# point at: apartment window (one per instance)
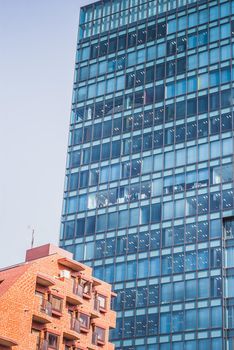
(86, 287)
(229, 228)
(100, 333)
(102, 301)
(56, 303)
(53, 341)
(37, 293)
(84, 321)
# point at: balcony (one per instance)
(44, 280)
(71, 331)
(42, 311)
(42, 344)
(75, 325)
(71, 264)
(95, 311)
(46, 307)
(7, 343)
(102, 303)
(96, 305)
(98, 337)
(95, 338)
(78, 290)
(76, 296)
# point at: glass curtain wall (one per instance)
(148, 198)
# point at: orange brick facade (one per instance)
(52, 302)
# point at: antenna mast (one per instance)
(32, 241)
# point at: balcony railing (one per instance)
(95, 338)
(78, 290)
(46, 307)
(75, 325)
(96, 305)
(42, 344)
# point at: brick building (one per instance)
(52, 302)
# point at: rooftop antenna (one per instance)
(32, 241)
(32, 237)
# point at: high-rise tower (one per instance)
(148, 200)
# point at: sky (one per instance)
(37, 54)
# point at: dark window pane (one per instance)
(159, 93)
(151, 33)
(181, 44)
(149, 98)
(149, 74)
(112, 45)
(158, 115)
(97, 131)
(171, 68)
(132, 39)
(192, 107)
(180, 110)
(122, 42)
(171, 47)
(214, 101)
(181, 65)
(202, 104)
(160, 71)
(80, 224)
(141, 36)
(226, 98)
(226, 122)
(69, 229)
(161, 30)
(170, 112)
(103, 48)
(202, 128)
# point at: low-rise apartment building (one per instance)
(51, 302)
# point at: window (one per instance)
(87, 287)
(192, 19)
(165, 322)
(56, 303)
(177, 321)
(102, 301)
(229, 228)
(68, 229)
(143, 269)
(53, 341)
(203, 288)
(84, 320)
(166, 292)
(190, 319)
(80, 227)
(190, 289)
(171, 26)
(98, 335)
(178, 291)
(203, 318)
(74, 159)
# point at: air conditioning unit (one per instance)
(65, 274)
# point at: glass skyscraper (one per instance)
(148, 199)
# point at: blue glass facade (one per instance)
(148, 199)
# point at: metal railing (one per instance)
(78, 290)
(42, 344)
(75, 325)
(95, 338)
(96, 304)
(46, 307)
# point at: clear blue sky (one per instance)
(37, 50)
